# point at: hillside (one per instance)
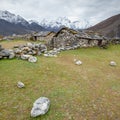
(109, 27)
(7, 28)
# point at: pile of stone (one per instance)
(6, 53)
(27, 52)
(30, 49)
(52, 53)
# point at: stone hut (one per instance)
(71, 38)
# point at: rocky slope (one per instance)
(109, 27)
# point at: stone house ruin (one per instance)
(71, 38)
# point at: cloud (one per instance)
(93, 10)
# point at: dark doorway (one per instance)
(35, 38)
(99, 42)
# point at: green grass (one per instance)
(87, 92)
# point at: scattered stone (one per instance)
(20, 84)
(40, 107)
(112, 63)
(32, 59)
(52, 53)
(78, 62)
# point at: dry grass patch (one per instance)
(8, 44)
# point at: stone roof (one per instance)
(79, 34)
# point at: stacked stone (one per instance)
(27, 52)
(29, 49)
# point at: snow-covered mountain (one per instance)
(15, 24)
(64, 21)
(33, 21)
(12, 18)
(45, 23)
(20, 24)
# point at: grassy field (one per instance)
(87, 92)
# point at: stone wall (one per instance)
(71, 38)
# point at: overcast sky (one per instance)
(91, 10)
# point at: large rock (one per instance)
(40, 107)
(5, 53)
(12, 54)
(32, 59)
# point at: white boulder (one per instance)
(32, 59)
(20, 84)
(113, 63)
(40, 106)
(78, 62)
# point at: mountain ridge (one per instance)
(110, 27)
(64, 21)
(15, 24)
(55, 24)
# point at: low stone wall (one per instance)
(30, 49)
(115, 41)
